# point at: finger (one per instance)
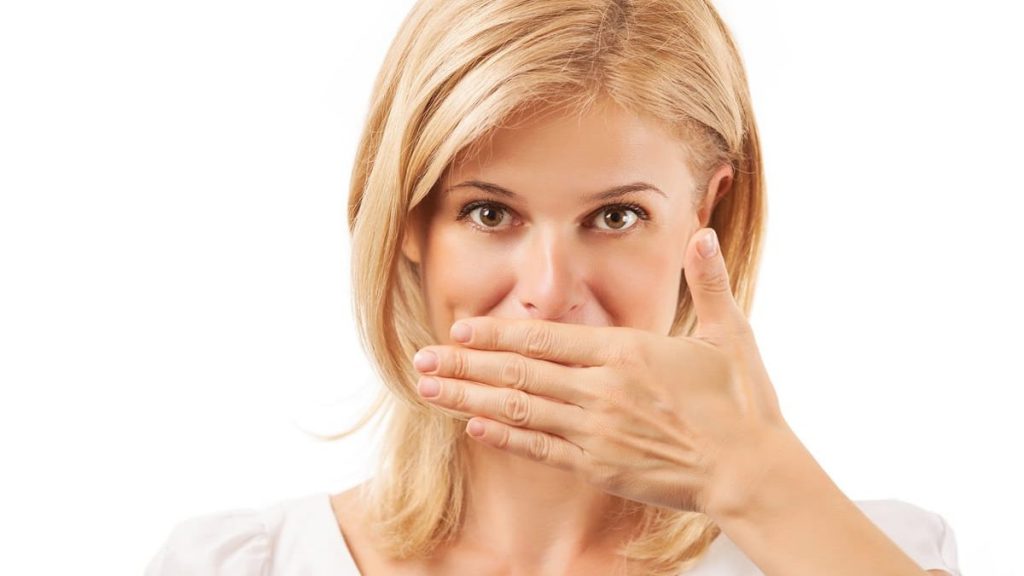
(530, 444)
(507, 370)
(570, 344)
(718, 314)
(513, 407)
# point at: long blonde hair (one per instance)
(456, 70)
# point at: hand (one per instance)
(669, 421)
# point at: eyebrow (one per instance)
(614, 192)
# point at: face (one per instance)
(576, 219)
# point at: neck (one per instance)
(536, 518)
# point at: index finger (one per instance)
(570, 344)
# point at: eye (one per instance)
(485, 215)
(618, 217)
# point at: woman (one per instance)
(557, 210)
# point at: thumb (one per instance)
(718, 314)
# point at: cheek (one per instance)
(640, 289)
(462, 275)
(638, 282)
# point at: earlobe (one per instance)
(718, 186)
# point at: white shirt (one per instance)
(300, 537)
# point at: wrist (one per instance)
(762, 477)
(787, 515)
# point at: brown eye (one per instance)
(486, 215)
(617, 218)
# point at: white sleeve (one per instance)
(924, 535)
(228, 543)
(947, 550)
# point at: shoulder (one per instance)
(225, 543)
(288, 536)
(923, 534)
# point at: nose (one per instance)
(549, 280)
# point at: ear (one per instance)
(718, 186)
(411, 247)
(411, 243)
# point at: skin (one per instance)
(570, 302)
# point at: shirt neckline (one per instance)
(341, 552)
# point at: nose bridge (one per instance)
(548, 273)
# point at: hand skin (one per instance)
(686, 423)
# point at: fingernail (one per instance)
(461, 332)
(475, 428)
(425, 361)
(708, 245)
(429, 387)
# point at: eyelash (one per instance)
(641, 214)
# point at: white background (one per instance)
(174, 259)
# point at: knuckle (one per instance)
(515, 406)
(459, 365)
(537, 341)
(489, 337)
(460, 398)
(539, 446)
(506, 438)
(715, 281)
(513, 373)
(627, 350)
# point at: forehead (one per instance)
(604, 146)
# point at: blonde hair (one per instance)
(455, 72)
